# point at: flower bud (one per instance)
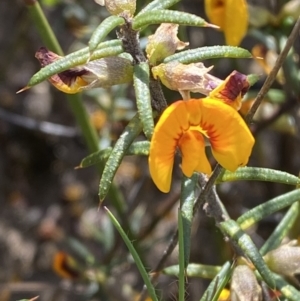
(116, 7)
(244, 285)
(186, 78)
(284, 260)
(103, 73)
(163, 43)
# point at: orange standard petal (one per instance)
(231, 16)
(182, 125)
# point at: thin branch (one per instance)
(272, 76)
(131, 45)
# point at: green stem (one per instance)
(43, 27)
(75, 101)
(181, 276)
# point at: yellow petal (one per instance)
(163, 145)
(66, 84)
(192, 147)
(215, 11)
(230, 137)
(236, 21)
(231, 16)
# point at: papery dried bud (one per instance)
(232, 89)
(116, 7)
(284, 260)
(163, 43)
(244, 285)
(186, 78)
(102, 73)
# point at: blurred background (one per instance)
(54, 240)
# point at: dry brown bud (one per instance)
(244, 285)
(186, 78)
(284, 260)
(163, 43)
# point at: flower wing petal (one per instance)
(164, 142)
(230, 137)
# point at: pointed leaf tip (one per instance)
(212, 26)
(23, 89)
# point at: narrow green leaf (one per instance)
(131, 131)
(167, 16)
(243, 240)
(259, 174)
(106, 26)
(74, 59)
(95, 158)
(181, 258)
(288, 291)
(194, 270)
(210, 52)
(187, 199)
(219, 282)
(134, 254)
(140, 148)
(157, 5)
(281, 230)
(259, 212)
(141, 79)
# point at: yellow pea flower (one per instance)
(183, 125)
(231, 16)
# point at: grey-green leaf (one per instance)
(158, 4)
(137, 148)
(243, 241)
(194, 270)
(209, 52)
(143, 98)
(106, 26)
(286, 289)
(167, 16)
(259, 174)
(215, 287)
(259, 212)
(282, 229)
(187, 199)
(131, 131)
